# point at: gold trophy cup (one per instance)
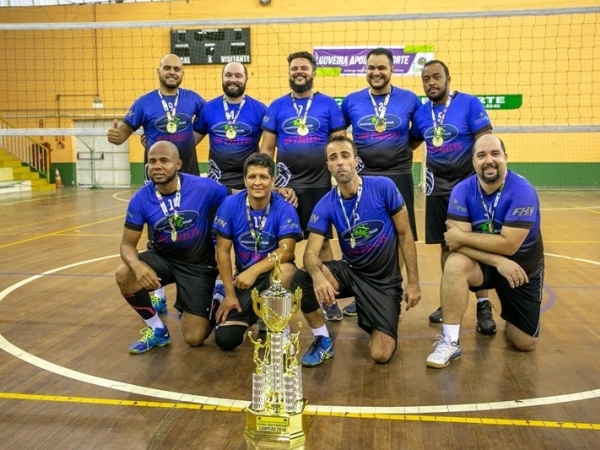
(275, 415)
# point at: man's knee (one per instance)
(229, 337)
(382, 347)
(124, 278)
(521, 340)
(309, 301)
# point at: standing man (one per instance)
(449, 123)
(370, 217)
(299, 125)
(178, 210)
(233, 123)
(496, 243)
(166, 114)
(269, 224)
(381, 116)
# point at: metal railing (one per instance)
(28, 150)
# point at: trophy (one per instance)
(275, 414)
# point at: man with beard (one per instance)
(298, 125)
(371, 220)
(449, 123)
(178, 210)
(381, 116)
(496, 243)
(233, 124)
(166, 114)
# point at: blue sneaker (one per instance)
(159, 304)
(350, 310)
(332, 312)
(320, 350)
(219, 291)
(150, 339)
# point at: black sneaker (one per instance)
(485, 318)
(436, 316)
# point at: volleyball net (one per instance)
(535, 72)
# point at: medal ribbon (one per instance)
(440, 125)
(176, 204)
(380, 115)
(297, 108)
(171, 115)
(231, 122)
(354, 210)
(256, 234)
(490, 210)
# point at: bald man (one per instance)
(493, 233)
(178, 210)
(165, 114)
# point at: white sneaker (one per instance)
(445, 352)
(287, 341)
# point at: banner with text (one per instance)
(350, 61)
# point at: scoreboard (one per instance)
(211, 46)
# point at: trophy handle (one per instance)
(256, 302)
(296, 297)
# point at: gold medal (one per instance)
(491, 227)
(302, 130)
(437, 141)
(380, 126)
(230, 133)
(173, 235)
(171, 127)
(352, 242)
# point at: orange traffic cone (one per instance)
(58, 180)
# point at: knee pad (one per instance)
(309, 301)
(229, 337)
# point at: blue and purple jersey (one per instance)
(148, 112)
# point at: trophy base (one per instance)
(272, 431)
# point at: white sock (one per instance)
(482, 299)
(160, 292)
(154, 322)
(321, 331)
(451, 331)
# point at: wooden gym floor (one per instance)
(67, 380)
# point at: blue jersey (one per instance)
(148, 112)
(200, 198)
(452, 162)
(301, 159)
(226, 156)
(518, 206)
(375, 253)
(231, 223)
(389, 152)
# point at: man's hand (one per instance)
(453, 236)
(513, 272)
(324, 290)
(114, 136)
(245, 280)
(228, 304)
(412, 295)
(289, 195)
(146, 276)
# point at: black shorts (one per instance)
(436, 211)
(195, 283)
(377, 303)
(244, 296)
(522, 305)
(405, 184)
(307, 199)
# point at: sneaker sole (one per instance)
(436, 365)
(333, 319)
(138, 352)
(350, 314)
(325, 358)
(486, 332)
